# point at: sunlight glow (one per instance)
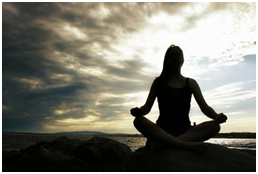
(92, 123)
(78, 120)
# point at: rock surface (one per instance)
(216, 158)
(65, 155)
(106, 155)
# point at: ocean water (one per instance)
(20, 141)
(245, 144)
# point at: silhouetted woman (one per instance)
(174, 92)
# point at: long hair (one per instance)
(167, 69)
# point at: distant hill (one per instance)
(96, 133)
(89, 133)
(236, 135)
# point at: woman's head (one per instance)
(174, 57)
(173, 61)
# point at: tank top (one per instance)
(174, 107)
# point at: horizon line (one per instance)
(99, 132)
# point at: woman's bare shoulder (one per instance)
(192, 80)
(156, 81)
(193, 83)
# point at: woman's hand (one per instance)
(136, 112)
(221, 118)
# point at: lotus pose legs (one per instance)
(158, 135)
(201, 132)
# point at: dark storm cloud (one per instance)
(32, 33)
(129, 69)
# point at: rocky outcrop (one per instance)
(105, 155)
(215, 158)
(63, 155)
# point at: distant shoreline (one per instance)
(236, 135)
(91, 133)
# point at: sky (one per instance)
(83, 66)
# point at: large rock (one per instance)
(66, 155)
(215, 159)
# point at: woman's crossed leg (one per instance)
(189, 140)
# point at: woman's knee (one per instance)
(215, 127)
(137, 123)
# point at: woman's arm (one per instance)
(205, 108)
(146, 108)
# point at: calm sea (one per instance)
(19, 141)
(247, 144)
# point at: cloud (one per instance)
(227, 95)
(196, 12)
(72, 62)
(236, 100)
(54, 64)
